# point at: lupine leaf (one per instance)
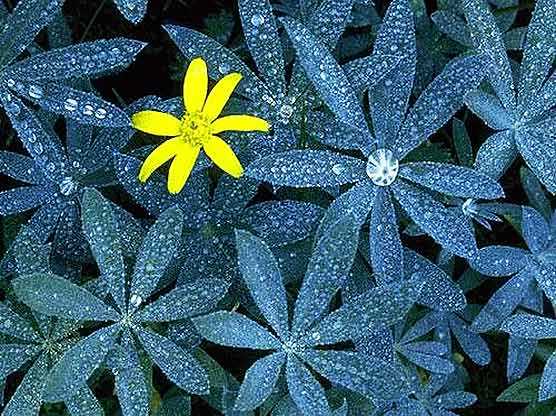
(56, 296)
(282, 222)
(28, 396)
(23, 24)
(103, 234)
(438, 103)
(386, 249)
(439, 291)
(261, 35)
(85, 59)
(235, 330)
(22, 199)
(358, 372)
(496, 154)
(158, 248)
(220, 61)
(78, 363)
(259, 381)
(452, 180)
(14, 356)
(21, 168)
(14, 325)
(83, 403)
(489, 109)
(327, 271)
(305, 390)
(487, 39)
(501, 303)
(186, 300)
(131, 387)
(523, 391)
(261, 274)
(450, 230)
(535, 230)
(537, 54)
(499, 260)
(329, 20)
(388, 99)
(41, 145)
(382, 305)
(133, 10)
(326, 75)
(306, 168)
(178, 364)
(536, 145)
(547, 388)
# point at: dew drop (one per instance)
(70, 104)
(100, 113)
(257, 20)
(224, 68)
(88, 110)
(68, 186)
(36, 92)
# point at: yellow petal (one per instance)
(195, 85)
(181, 167)
(159, 156)
(239, 123)
(157, 123)
(223, 156)
(219, 95)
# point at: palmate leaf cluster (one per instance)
(392, 238)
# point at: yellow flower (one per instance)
(197, 128)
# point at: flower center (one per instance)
(195, 129)
(382, 167)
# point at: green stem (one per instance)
(90, 24)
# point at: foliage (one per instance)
(373, 234)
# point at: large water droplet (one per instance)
(382, 167)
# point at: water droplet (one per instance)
(224, 68)
(285, 112)
(382, 167)
(337, 169)
(135, 300)
(70, 104)
(100, 113)
(68, 186)
(257, 20)
(38, 148)
(36, 92)
(88, 110)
